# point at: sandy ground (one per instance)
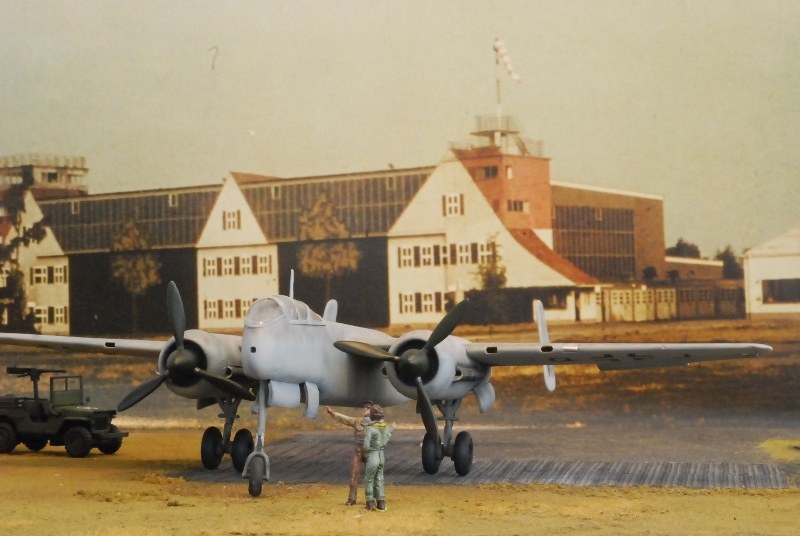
(130, 493)
(135, 492)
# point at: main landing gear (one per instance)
(215, 443)
(435, 449)
(256, 466)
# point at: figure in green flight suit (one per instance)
(376, 436)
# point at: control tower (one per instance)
(50, 176)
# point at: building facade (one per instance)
(772, 275)
(415, 239)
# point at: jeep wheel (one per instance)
(78, 442)
(110, 446)
(35, 444)
(8, 438)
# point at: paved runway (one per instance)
(323, 457)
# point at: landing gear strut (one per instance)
(256, 466)
(434, 450)
(215, 443)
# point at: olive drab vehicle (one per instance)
(63, 419)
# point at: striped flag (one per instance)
(502, 56)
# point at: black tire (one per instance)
(241, 448)
(430, 461)
(256, 479)
(211, 450)
(110, 446)
(462, 453)
(78, 442)
(35, 444)
(8, 438)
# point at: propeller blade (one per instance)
(426, 411)
(141, 392)
(363, 349)
(447, 325)
(224, 384)
(177, 316)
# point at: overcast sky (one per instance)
(696, 101)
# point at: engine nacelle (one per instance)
(452, 373)
(216, 353)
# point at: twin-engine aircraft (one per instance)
(289, 356)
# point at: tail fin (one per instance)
(544, 338)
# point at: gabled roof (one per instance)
(784, 245)
(171, 218)
(367, 203)
(528, 239)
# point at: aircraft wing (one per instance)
(131, 347)
(610, 356)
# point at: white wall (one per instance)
(757, 269)
(235, 264)
(425, 224)
(50, 295)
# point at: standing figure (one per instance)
(376, 437)
(358, 425)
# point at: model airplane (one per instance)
(289, 356)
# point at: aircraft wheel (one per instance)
(430, 461)
(256, 481)
(110, 446)
(8, 438)
(78, 442)
(242, 447)
(35, 444)
(211, 450)
(462, 453)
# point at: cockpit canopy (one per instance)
(268, 310)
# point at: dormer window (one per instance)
(231, 219)
(172, 200)
(453, 204)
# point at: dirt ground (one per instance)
(135, 492)
(130, 493)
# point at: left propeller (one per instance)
(183, 363)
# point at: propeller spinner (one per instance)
(183, 364)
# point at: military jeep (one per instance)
(63, 419)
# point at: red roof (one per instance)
(541, 251)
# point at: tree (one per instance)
(15, 294)
(491, 275)
(133, 266)
(682, 248)
(731, 268)
(327, 256)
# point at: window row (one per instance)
(215, 309)
(443, 255)
(51, 315)
(425, 302)
(46, 275)
(244, 265)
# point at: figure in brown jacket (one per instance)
(357, 459)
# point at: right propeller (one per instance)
(414, 365)
(183, 364)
